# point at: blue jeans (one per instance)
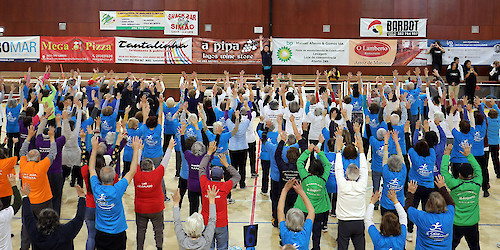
(90, 221)
(222, 236)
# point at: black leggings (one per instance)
(494, 158)
(483, 162)
(267, 75)
(422, 194)
(183, 185)
(194, 201)
(13, 148)
(251, 156)
(239, 162)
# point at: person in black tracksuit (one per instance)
(267, 61)
(437, 55)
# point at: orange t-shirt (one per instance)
(35, 174)
(6, 168)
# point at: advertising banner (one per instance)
(132, 20)
(20, 48)
(369, 27)
(153, 50)
(411, 52)
(183, 23)
(372, 52)
(297, 51)
(479, 52)
(77, 49)
(218, 51)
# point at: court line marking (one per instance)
(252, 211)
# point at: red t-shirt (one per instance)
(89, 198)
(220, 200)
(148, 193)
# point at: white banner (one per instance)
(369, 27)
(153, 50)
(20, 48)
(181, 23)
(479, 52)
(296, 51)
(132, 20)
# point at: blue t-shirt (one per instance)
(459, 140)
(110, 217)
(222, 147)
(169, 125)
(413, 97)
(152, 141)
(401, 139)
(434, 231)
(13, 119)
(381, 242)
(271, 149)
(271, 137)
(331, 183)
(299, 239)
(377, 154)
(493, 131)
(357, 103)
(108, 124)
(128, 151)
(422, 168)
(286, 148)
(393, 181)
(479, 133)
(374, 123)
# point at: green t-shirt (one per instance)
(465, 193)
(314, 186)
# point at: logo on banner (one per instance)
(77, 45)
(284, 54)
(372, 48)
(376, 27)
(107, 19)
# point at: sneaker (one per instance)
(167, 199)
(376, 207)
(486, 193)
(274, 222)
(333, 215)
(265, 194)
(254, 175)
(324, 229)
(409, 236)
(230, 201)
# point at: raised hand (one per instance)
(12, 179)
(137, 143)
(289, 184)
(212, 147)
(440, 181)
(171, 143)
(212, 192)
(375, 197)
(412, 186)
(26, 189)
(467, 148)
(447, 150)
(80, 192)
(393, 196)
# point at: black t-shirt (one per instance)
(437, 55)
(453, 77)
(472, 77)
(266, 58)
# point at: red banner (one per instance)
(77, 49)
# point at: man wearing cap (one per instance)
(217, 176)
(465, 192)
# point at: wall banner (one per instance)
(77, 49)
(218, 51)
(20, 49)
(372, 52)
(296, 51)
(132, 20)
(183, 23)
(153, 50)
(411, 52)
(369, 27)
(479, 52)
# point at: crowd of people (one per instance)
(422, 143)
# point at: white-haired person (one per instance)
(392, 234)
(435, 224)
(194, 234)
(294, 228)
(33, 172)
(394, 173)
(378, 146)
(351, 192)
(149, 200)
(110, 222)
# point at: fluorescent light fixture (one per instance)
(475, 30)
(208, 27)
(2, 29)
(326, 28)
(62, 26)
(258, 30)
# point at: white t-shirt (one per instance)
(6, 216)
(299, 117)
(348, 108)
(317, 123)
(251, 133)
(268, 113)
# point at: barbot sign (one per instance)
(181, 23)
(369, 27)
